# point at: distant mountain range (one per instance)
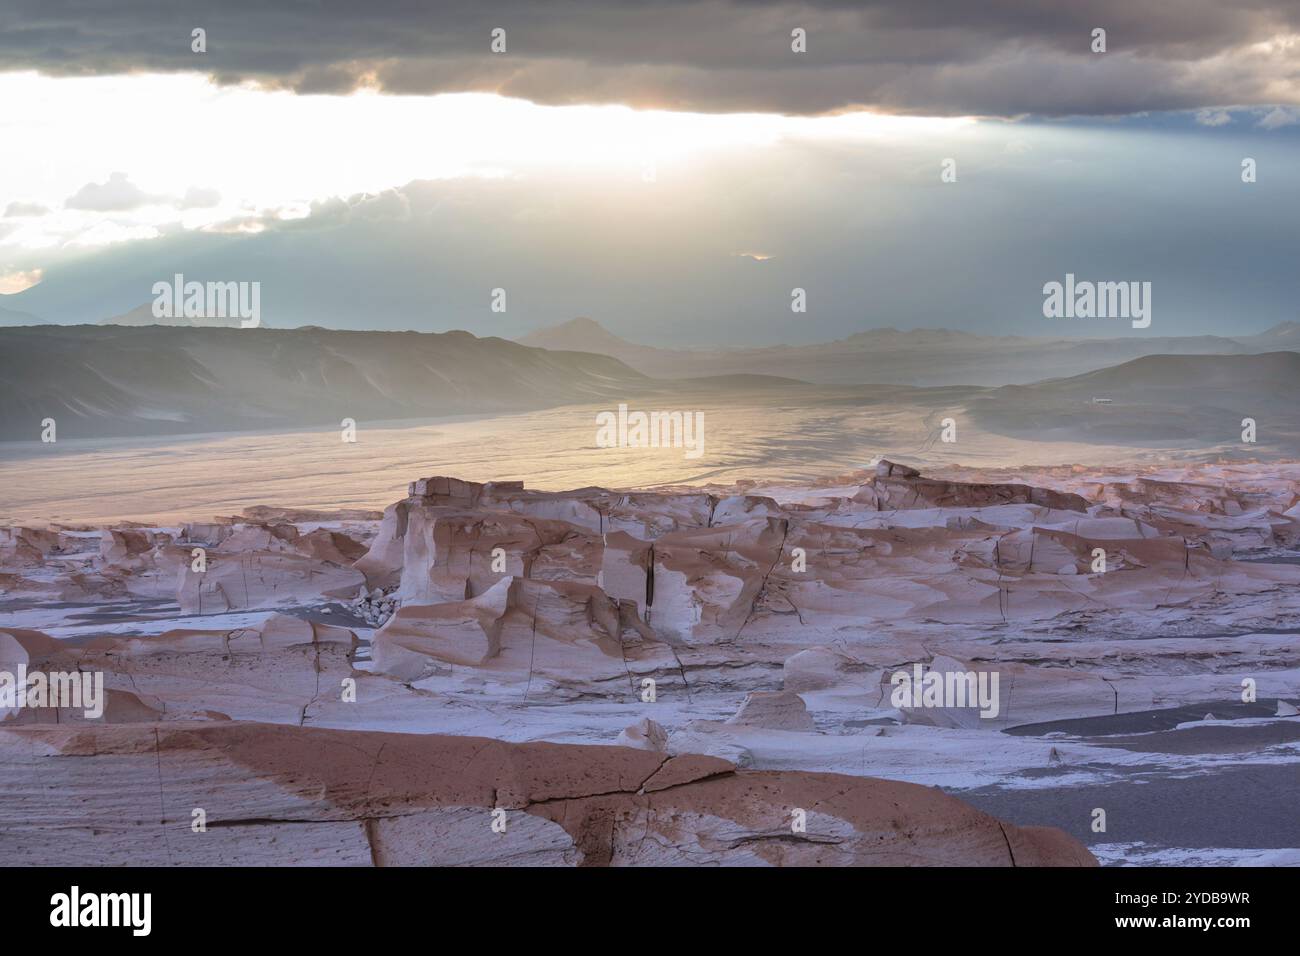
(143, 315)
(924, 357)
(10, 318)
(1156, 399)
(104, 381)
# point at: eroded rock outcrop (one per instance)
(755, 625)
(898, 487)
(264, 566)
(594, 592)
(279, 668)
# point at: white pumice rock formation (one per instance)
(752, 629)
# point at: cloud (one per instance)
(1278, 117)
(944, 57)
(117, 195)
(903, 250)
(17, 210)
(1213, 117)
(197, 197)
(108, 232)
(391, 204)
(19, 281)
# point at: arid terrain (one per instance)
(177, 424)
(732, 433)
(674, 675)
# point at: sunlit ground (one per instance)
(170, 480)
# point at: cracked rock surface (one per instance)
(638, 637)
(284, 795)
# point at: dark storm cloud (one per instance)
(995, 57)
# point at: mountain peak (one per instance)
(1283, 335)
(576, 335)
(1283, 328)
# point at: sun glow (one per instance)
(273, 153)
(19, 281)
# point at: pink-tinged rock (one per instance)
(249, 580)
(898, 487)
(281, 668)
(209, 533)
(1021, 694)
(645, 734)
(888, 469)
(382, 562)
(625, 569)
(773, 710)
(707, 581)
(26, 547)
(297, 795)
(448, 555)
(419, 637)
(126, 546)
(24, 647)
(279, 538)
(118, 707)
(737, 508)
(819, 668)
(447, 490)
(650, 515)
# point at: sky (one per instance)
(672, 170)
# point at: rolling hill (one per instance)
(10, 318)
(107, 381)
(922, 357)
(1157, 399)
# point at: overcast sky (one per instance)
(670, 169)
